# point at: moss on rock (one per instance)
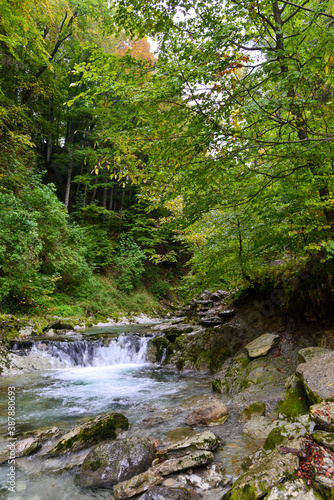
(296, 402)
(96, 429)
(257, 408)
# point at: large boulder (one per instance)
(111, 463)
(262, 345)
(91, 432)
(214, 414)
(317, 377)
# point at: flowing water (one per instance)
(77, 379)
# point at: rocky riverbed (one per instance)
(260, 426)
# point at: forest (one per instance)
(129, 176)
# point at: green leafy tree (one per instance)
(235, 118)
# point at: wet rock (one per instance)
(262, 345)
(160, 416)
(96, 429)
(180, 434)
(58, 325)
(323, 415)
(259, 480)
(24, 447)
(325, 439)
(254, 409)
(155, 474)
(20, 364)
(214, 414)
(199, 401)
(43, 434)
(111, 463)
(194, 459)
(317, 377)
(309, 353)
(258, 428)
(211, 478)
(292, 489)
(166, 493)
(201, 441)
(137, 484)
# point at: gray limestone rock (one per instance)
(262, 345)
(258, 428)
(24, 447)
(317, 377)
(160, 416)
(166, 493)
(91, 432)
(214, 414)
(201, 441)
(259, 479)
(309, 353)
(324, 439)
(155, 474)
(137, 484)
(292, 489)
(254, 409)
(211, 478)
(111, 463)
(323, 415)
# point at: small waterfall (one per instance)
(126, 349)
(163, 357)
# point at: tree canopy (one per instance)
(232, 126)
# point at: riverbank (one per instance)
(261, 395)
(246, 377)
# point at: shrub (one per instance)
(129, 262)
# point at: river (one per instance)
(103, 370)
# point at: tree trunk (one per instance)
(69, 179)
(105, 193)
(111, 198)
(50, 138)
(94, 192)
(122, 200)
